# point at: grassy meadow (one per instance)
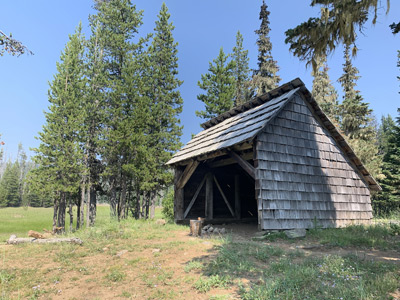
(19, 220)
(137, 259)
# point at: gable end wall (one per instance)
(302, 175)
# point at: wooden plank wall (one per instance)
(302, 175)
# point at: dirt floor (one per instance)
(152, 267)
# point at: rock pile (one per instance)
(209, 229)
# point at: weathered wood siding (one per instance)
(303, 176)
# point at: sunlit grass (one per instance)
(20, 220)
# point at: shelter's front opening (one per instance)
(229, 189)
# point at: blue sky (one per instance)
(201, 28)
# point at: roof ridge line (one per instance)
(256, 101)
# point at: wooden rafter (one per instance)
(187, 173)
(244, 164)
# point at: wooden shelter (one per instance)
(277, 159)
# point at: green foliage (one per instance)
(241, 71)
(339, 23)
(388, 200)
(115, 274)
(9, 186)
(219, 86)
(11, 45)
(168, 205)
(323, 91)
(59, 156)
(395, 27)
(356, 120)
(373, 236)
(163, 128)
(265, 77)
(203, 285)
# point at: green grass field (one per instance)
(20, 220)
(163, 262)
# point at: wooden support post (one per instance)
(224, 197)
(244, 164)
(194, 197)
(178, 197)
(209, 197)
(238, 208)
(189, 170)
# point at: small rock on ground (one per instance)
(295, 233)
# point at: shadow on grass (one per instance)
(261, 271)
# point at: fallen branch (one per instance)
(14, 240)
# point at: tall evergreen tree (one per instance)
(118, 21)
(355, 115)
(339, 23)
(323, 91)
(59, 156)
(219, 86)
(356, 119)
(388, 200)
(241, 71)
(9, 186)
(265, 78)
(163, 130)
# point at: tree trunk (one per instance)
(78, 214)
(71, 215)
(88, 205)
(61, 214)
(82, 206)
(122, 208)
(153, 196)
(55, 212)
(137, 209)
(145, 205)
(93, 206)
(113, 199)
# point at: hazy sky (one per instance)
(201, 28)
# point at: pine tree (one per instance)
(219, 86)
(349, 78)
(241, 71)
(163, 130)
(265, 77)
(356, 119)
(59, 156)
(118, 21)
(388, 200)
(339, 23)
(323, 91)
(355, 115)
(9, 186)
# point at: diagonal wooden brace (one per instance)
(244, 164)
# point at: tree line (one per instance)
(15, 189)
(113, 120)
(114, 104)
(230, 82)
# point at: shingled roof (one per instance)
(242, 124)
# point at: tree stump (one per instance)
(195, 227)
